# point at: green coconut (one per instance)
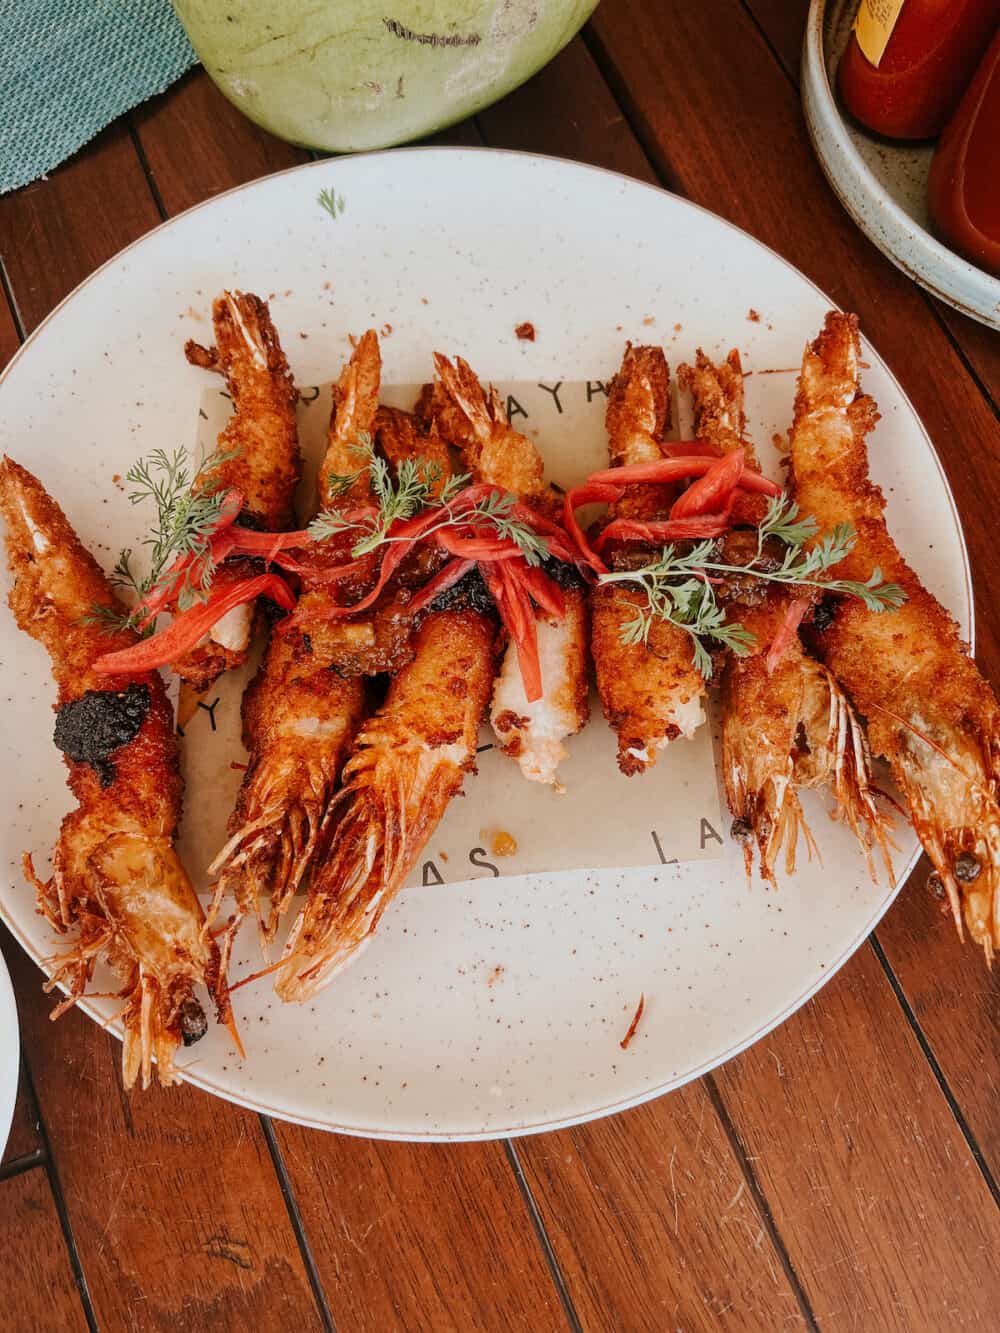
(347, 75)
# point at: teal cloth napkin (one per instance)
(70, 67)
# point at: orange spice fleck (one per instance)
(526, 331)
(634, 1024)
(504, 844)
(753, 316)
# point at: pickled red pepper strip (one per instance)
(185, 630)
(714, 491)
(787, 631)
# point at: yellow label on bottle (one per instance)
(874, 24)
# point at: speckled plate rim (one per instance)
(901, 239)
(718, 1057)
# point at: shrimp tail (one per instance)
(278, 833)
(808, 737)
(387, 816)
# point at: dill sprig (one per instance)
(418, 486)
(678, 589)
(332, 202)
(187, 506)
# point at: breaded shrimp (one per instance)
(651, 691)
(301, 712)
(787, 725)
(116, 877)
(261, 454)
(409, 761)
(928, 709)
(531, 732)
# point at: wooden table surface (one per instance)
(841, 1174)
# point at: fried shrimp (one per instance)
(784, 729)
(301, 712)
(260, 454)
(116, 877)
(409, 760)
(786, 723)
(651, 691)
(928, 709)
(531, 732)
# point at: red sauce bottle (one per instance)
(903, 79)
(964, 183)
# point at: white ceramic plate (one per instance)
(10, 1050)
(453, 249)
(883, 185)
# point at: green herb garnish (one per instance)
(414, 490)
(187, 514)
(678, 589)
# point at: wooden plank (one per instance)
(37, 1289)
(9, 340)
(172, 1197)
(706, 142)
(24, 1139)
(887, 1219)
(197, 144)
(783, 25)
(54, 233)
(654, 1225)
(567, 111)
(419, 1235)
(958, 1013)
(980, 345)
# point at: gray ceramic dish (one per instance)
(883, 185)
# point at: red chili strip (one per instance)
(787, 631)
(390, 563)
(591, 492)
(525, 635)
(221, 545)
(663, 470)
(545, 592)
(442, 580)
(676, 469)
(477, 547)
(697, 527)
(712, 492)
(185, 630)
(692, 449)
(249, 542)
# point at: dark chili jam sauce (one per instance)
(90, 729)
